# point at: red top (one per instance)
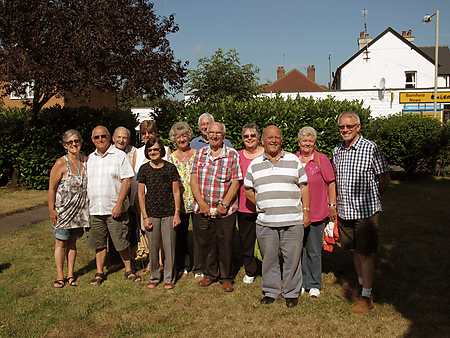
(320, 173)
(244, 204)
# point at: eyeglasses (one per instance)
(96, 137)
(73, 142)
(347, 126)
(215, 133)
(151, 150)
(249, 136)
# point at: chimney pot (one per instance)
(280, 72)
(311, 73)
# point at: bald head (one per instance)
(121, 138)
(272, 140)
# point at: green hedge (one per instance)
(31, 150)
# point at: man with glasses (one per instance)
(362, 173)
(109, 172)
(215, 181)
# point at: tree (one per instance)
(223, 75)
(75, 46)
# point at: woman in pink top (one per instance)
(247, 212)
(322, 194)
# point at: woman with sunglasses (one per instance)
(247, 212)
(160, 203)
(68, 205)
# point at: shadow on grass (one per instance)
(4, 266)
(413, 262)
(86, 269)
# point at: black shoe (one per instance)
(291, 302)
(267, 300)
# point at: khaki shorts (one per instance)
(117, 228)
(360, 235)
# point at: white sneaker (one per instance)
(315, 293)
(248, 279)
(302, 291)
(198, 276)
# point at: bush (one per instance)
(289, 115)
(32, 149)
(410, 141)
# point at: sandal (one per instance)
(98, 279)
(152, 285)
(59, 283)
(130, 275)
(72, 281)
(169, 286)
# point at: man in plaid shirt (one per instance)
(215, 182)
(361, 174)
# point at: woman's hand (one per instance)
(53, 216)
(147, 224)
(333, 213)
(176, 220)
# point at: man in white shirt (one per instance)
(109, 174)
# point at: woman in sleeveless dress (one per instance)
(68, 205)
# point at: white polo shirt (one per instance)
(105, 172)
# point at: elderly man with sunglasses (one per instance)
(109, 174)
(361, 174)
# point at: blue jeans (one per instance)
(312, 255)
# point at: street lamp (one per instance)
(427, 18)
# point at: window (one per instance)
(410, 78)
(28, 93)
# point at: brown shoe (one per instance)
(363, 305)
(349, 292)
(205, 281)
(169, 286)
(227, 286)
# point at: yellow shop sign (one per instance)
(424, 97)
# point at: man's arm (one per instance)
(123, 192)
(204, 207)
(250, 194)
(384, 180)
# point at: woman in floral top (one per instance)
(180, 134)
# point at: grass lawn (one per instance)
(17, 199)
(412, 297)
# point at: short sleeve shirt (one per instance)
(277, 188)
(159, 199)
(105, 173)
(357, 170)
(215, 175)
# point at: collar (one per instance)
(355, 144)
(202, 140)
(111, 150)
(222, 153)
(280, 156)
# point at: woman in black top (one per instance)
(159, 200)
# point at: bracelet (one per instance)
(144, 217)
(306, 209)
(332, 205)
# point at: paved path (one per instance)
(18, 220)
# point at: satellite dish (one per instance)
(382, 88)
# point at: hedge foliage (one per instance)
(411, 141)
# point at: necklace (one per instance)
(77, 164)
(183, 156)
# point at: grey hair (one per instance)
(307, 131)
(205, 116)
(349, 114)
(121, 128)
(221, 125)
(251, 125)
(68, 133)
(104, 128)
(180, 128)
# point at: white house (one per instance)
(391, 61)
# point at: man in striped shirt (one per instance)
(276, 183)
(361, 174)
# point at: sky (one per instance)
(292, 33)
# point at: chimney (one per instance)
(408, 35)
(280, 72)
(311, 73)
(363, 40)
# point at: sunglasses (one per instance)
(151, 150)
(73, 142)
(96, 137)
(347, 126)
(249, 136)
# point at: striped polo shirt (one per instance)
(277, 187)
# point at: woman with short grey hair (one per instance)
(322, 195)
(68, 205)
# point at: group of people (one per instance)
(279, 199)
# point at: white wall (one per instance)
(389, 58)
